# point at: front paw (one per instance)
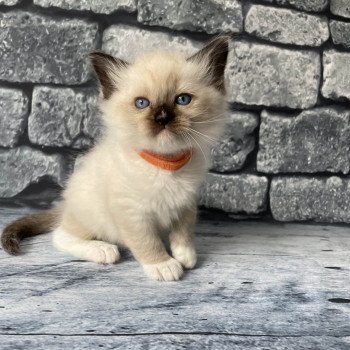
(186, 255)
(169, 270)
(101, 252)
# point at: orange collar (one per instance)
(169, 162)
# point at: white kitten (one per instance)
(162, 114)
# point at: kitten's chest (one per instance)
(167, 195)
(158, 193)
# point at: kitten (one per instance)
(161, 115)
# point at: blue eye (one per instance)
(141, 102)
(183, 99)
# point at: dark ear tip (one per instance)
(222, 40)
(100, 58)
(95, 55)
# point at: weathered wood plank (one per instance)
(171, 342)
(253, 278)
(286, 297)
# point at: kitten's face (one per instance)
(165, 102)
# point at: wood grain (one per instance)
(257, 285)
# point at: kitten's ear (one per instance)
(215, 55)
(107, 68)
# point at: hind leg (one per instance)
(80, 244)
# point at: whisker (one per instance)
(209, 121)
(205, 158)
(209, 142)
(186, 139)
(188, 142)
(201, 115)
(206, 136)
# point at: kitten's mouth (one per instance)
(165, 132)
(166, 135)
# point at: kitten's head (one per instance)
(164, 101)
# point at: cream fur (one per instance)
(117, 197)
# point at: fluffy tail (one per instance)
(32, 225)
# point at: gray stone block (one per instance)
(212, 16)
(10, 2)
(336, 75)
(315, 140)
(13, 115)
(286, 26)
(97, 6)
(35, 48)
(340, 8)
(63, 117)
(91, 127)
(307, 5)
(303, 198)
(340, 33)
(128, 42)
(235, 193)
(22, 166)
(236, 143)
(270, 76)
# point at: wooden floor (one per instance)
(257, 286)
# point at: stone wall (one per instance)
(285, 152)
